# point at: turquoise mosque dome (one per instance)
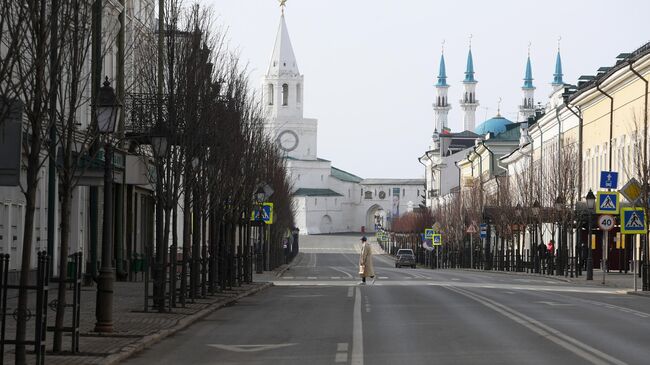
(494, 125)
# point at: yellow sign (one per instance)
(632, 190)
(265, 214)
(593, 241)
(437, 239)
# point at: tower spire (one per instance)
(469, 71)
(557, 76)
(527, 107)
(469, 103)
(442, 72)
(283, 60)
(441, 106)
(528, 77)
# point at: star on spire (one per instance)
(283, 4)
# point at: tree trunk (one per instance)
(30, 196)
(63, 264)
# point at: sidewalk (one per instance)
(134, 330)
(613, 279)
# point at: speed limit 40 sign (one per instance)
(606, 222)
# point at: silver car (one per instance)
(405, 257)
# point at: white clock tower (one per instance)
(283, 87)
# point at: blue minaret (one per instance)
(441, 106)
(527, 107)
(469, 72)
(442, 72)
(557, 76)
(469, 103)
(528, 78)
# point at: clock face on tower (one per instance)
(288, 140)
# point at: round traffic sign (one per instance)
(606, 222)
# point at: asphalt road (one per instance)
(318, 314)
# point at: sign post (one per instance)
(471, 230)
(437, 242)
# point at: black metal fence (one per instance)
(40, 309)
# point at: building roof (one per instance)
(393, 182)
(345, 176)
(442, 73)
(587, 82)
(283, 60)
(494, 125)
(315, 192)
(298, 159)
(511, 133)
(463, 134)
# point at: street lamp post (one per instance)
(518, 213)
(591, 202)
(260, 197)
(108, 109)
(536, 253)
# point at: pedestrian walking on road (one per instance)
(366, 269)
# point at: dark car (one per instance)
(405, 257)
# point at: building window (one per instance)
(285, 95)
(315, 201)
(321, 178)
(269, 93)
(367, 195)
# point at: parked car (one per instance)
(405, 257)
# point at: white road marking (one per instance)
(382, 277)
(350, 292)
(357, 331)
(342, 271)
(455, 279)
(335, 277)
(287, 277)
(555, 304)
(341, 357)
(342, 346)
(581, 349)
(312, 278)
(250, 348)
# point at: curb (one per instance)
(150, 340)
(512, 273)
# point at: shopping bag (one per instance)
(362, 269)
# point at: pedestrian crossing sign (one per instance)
(633, 221)
(428, 233)
(608, 202)
(437, 239)
(263, 215)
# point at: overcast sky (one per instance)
(370, 65)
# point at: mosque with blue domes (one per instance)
(497, 134)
